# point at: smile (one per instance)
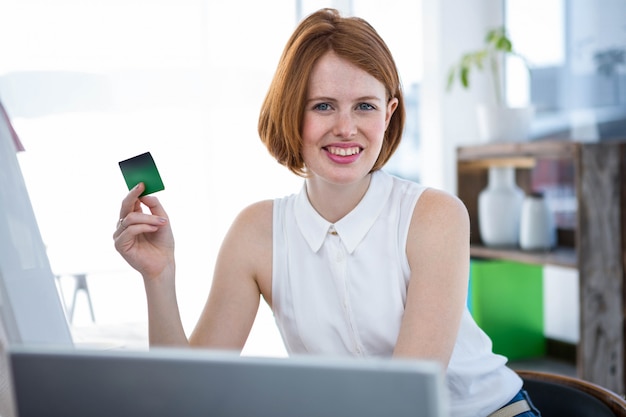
(343, 151)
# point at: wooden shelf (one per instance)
(478, 164)
(560, 256)
(593, 240)
(535, 149)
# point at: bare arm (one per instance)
(242, 275)
(438, 254)
(146, 242)
(242, 269)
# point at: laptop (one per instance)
(191, 382)
(31, 311)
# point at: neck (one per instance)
(335, 201)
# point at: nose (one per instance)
(345, 125)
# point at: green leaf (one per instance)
(465, 76)
(504, 44)
(496, 42)
(492, 35)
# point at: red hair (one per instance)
(352, 39)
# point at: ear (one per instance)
(392, 105)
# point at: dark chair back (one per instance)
(559, 395)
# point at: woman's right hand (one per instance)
(145, 240)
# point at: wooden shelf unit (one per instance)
(594, 245)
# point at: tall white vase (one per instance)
(499, 208)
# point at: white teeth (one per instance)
(344, 151)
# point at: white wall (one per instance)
(451, 28)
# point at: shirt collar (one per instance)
(354, 226)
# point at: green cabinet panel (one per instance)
(506, 300)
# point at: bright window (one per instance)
(88, 83)
(577, 52)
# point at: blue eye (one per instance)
(365, 106)
(322, 106)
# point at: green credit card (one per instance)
(141, 168)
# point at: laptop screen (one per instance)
(191, 382)
(30, 306)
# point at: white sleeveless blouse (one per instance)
(340, 289)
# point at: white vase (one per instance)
(537, 229)
(504, 124)
(499, 208)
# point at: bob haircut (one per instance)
(352, 39)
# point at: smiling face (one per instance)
(345, 117)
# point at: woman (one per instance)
(359, 262)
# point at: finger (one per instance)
(125, 239)
(137, 223)
(129, 204)
(154, 205)
(121, 227)
(131, 201)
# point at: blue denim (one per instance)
(523, 395)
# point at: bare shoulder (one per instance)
(438, 205)
(255, 218)
(439, 214)
(251, 231)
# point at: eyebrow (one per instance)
(358, 99)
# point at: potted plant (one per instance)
(496, 120)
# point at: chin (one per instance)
(344, 177)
